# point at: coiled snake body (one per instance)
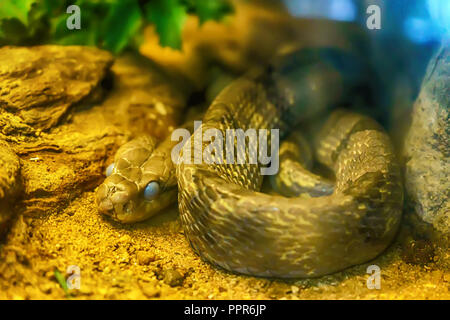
(226, 218)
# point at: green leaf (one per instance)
(18, 9)
(211, 9)
(52, 6)
(11, 29)
(90, 25)
(168, 16)
(62, 281)
(14, 32)
(122, 22)
(80, 37)
(111, 24)
(104, 23)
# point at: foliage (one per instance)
(110, 24)
(62, 282)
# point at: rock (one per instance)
(10, 172)
(40, 84)
(64, 111)
(46, 287)
(11, 257)
(150, 289)
(151, 292)
(427, 146)
(10, 184)
(144, 257)
(295, 289)
(173, 278)
(85, 290)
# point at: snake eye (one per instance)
(151, 190)
(109, 169)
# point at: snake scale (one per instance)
(317, 226)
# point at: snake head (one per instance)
(139, 183)
(115, 197)
(127, 201)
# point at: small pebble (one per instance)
(150, 292)
(125, 239)
(46, 287)
(70, 212)
(144, 257)
(222, 289)
(50, 275)
(173, 278)
(11, 257)
(86, 290)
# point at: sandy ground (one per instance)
(153, 260)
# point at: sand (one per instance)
(153, 260)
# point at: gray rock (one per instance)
(427, 146)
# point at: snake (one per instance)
(311, 225)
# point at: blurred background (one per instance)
(193, 37)
(411, 30)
